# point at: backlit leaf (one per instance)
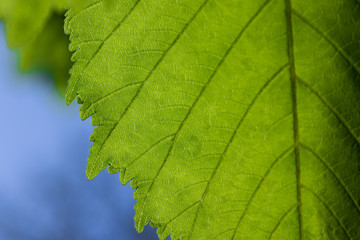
(233, 119)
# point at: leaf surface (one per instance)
(233, 119)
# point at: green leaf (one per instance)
(49, 51)
(233, 119)
(24, 19)
(35, 29)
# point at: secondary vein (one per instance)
(150, 74)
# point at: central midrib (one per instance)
(294, 108)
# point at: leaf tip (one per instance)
(90, 174)
(69, 97)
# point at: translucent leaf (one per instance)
(233, 119)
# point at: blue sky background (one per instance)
(44, 147)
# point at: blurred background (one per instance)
(44, 147)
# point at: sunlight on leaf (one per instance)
(233, 119)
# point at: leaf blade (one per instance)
(211, 107)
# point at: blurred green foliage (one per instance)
(35, 29)
(49, 51)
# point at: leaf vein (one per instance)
(277, 160)
(287, 213)
(189, 186)
(181, 212)
(223, 232)
(329, 40)
(110, 94)
(233, 136)
(204, 88)
(293, 80)
(103, 43)
(150, 73)
(148, 149)
(332, 110)
(333, 173)
(84, 9)
(328, 208)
